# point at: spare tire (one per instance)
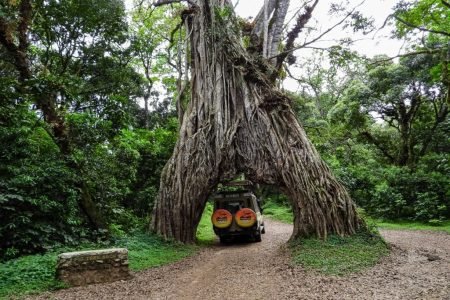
(245, 217)
(221, 218)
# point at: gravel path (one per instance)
(417, 268)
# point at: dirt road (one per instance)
(417, 268)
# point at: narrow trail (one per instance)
(417, 268)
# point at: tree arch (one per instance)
(238, 122)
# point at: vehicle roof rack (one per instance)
(240, 183)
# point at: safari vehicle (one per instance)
(237, 214)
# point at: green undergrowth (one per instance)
(146, 251)
(278, 212)
(284, 214)
(33, 274)
(413, 225)
(36, 273)
(339, 255)
(28, 274)
(205, 233)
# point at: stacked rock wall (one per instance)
(96, 266)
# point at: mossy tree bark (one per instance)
(238, 122)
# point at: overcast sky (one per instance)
(369, 45)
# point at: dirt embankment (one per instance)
(417, 268)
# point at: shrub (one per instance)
(38, 202)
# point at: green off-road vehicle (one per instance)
(237, 214)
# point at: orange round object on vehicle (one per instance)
(222, 218)
(245, 217)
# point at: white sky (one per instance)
(369, 45)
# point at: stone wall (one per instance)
(96, 266)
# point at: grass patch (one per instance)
(339, 255)
(205, 232)
(278, 212)
(412, 225)
(146, 251)
(335, 256)
(284, 214)
(28, 274)
(36, 273)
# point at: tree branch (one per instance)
(276, 28)
(440, 116)
(165, 2)
(427, 51)
(378, 145)
(293, 34)
(259, 19)
(18, 52)
(287, 51)
(25, 14)
(445, 3)
(421, 28)
(265, 28)
(6, 38)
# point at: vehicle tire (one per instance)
(263, 231)
(258, 237)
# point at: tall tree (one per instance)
(401, 94)
(66, 58)
(410, 102)
(237, 122)
(157, 55)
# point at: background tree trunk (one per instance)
(238, 122)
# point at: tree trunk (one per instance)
(146, 113)
(238, 122)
